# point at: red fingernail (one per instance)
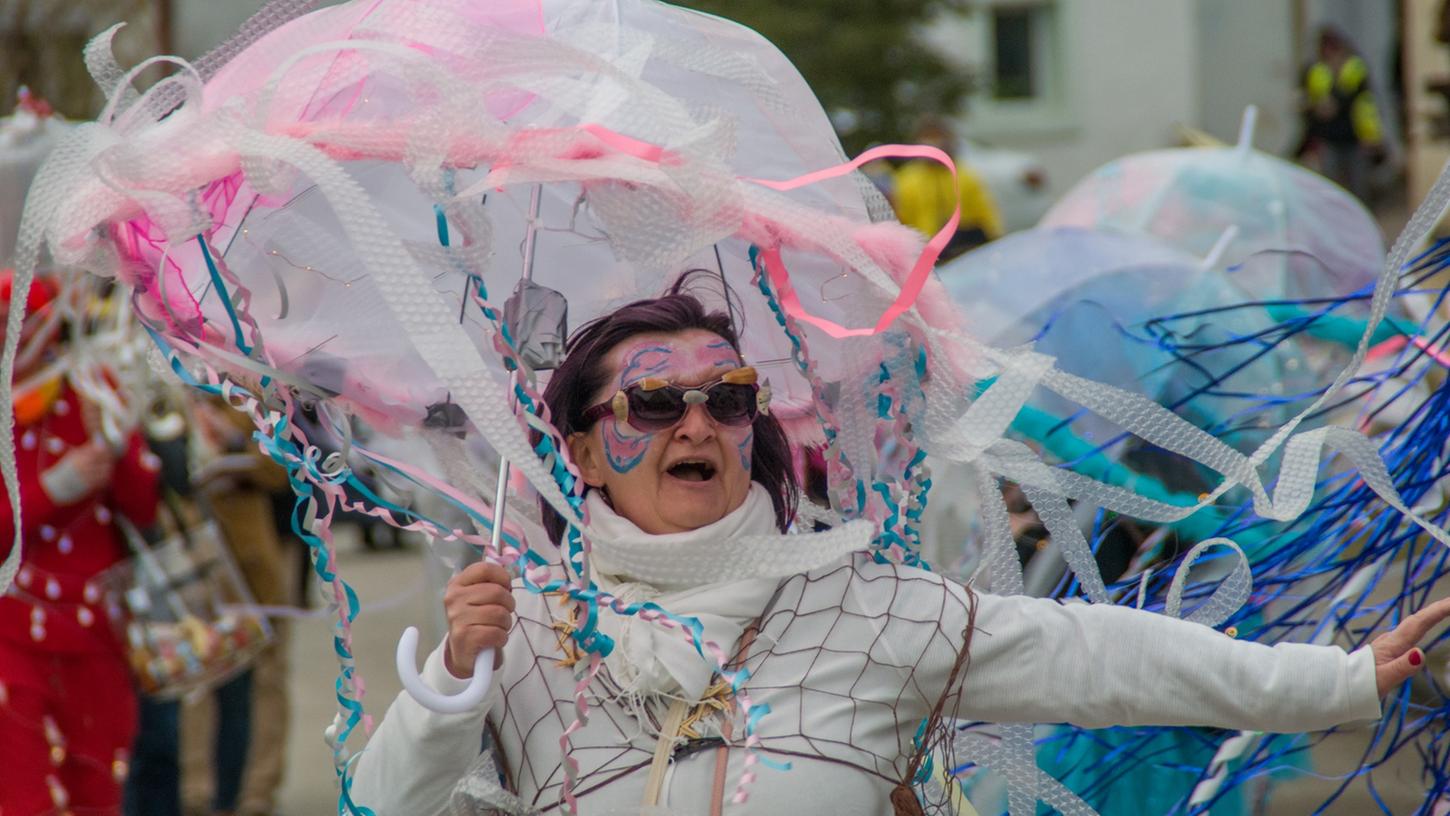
(1416, 657)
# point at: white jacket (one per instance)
(850, 658)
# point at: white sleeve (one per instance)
(1097, 665)
(63, 484)
(416, 756)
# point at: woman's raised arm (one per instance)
(1094, 665)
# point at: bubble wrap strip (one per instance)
(57, 175)
(1227, 599)
(1012, 757)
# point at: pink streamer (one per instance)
(915, 280)
(1394, 344)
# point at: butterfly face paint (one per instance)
(625, 447)
(746, 449)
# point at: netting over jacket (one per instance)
(875, 646)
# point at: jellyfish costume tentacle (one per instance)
(1330, 576)
(312, 171)
(1295, 320)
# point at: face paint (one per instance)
(718, 353)
(645, 360)
(746, 448)
(624, 449)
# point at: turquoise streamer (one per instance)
(221, 289)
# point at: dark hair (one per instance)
(579, 378)
(1331, 37)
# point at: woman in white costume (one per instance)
(851, 656)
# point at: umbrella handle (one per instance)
(463, 701)
(477, 689)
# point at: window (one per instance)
(1018, 55)
(1014, 51)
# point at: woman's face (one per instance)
(681, 478)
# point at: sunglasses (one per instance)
(653, 405)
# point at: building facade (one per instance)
(1080, 82)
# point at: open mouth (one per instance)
(692, 470)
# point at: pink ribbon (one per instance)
(1394, 344)
(915, 280)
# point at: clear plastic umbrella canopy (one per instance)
(1191, 197)
(367, 178)
(1131, 311)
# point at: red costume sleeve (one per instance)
(136, 485)
(36, 507)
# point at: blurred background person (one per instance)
(924, 193)
(1343, 136)
(216, 471)
(67, 711)
(236, 481)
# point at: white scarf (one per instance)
(721, 574)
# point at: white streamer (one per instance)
(1227, 599)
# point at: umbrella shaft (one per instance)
(530, 235)
(500, 496)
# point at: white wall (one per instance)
(197, 25)
(1427, 61)
(1246, 54)
(1133, 78)
(1126, 76)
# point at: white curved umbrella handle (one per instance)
(465, 700)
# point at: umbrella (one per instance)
(1094, 300)
(1098, 302)
(1189, 197)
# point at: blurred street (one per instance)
(379, 577)
(390, 588)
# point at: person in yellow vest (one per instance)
(924, 195)
(1341, 123)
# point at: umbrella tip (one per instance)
(1246, 128)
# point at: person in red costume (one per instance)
(67, 703)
